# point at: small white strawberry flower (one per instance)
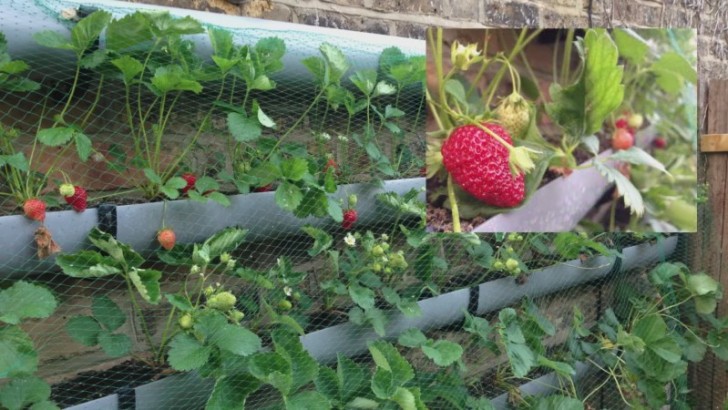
(385, 237)
(287, 290)
(342, 138)
(194, 270)
(350, 240)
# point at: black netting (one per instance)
(303, 272)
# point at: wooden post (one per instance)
(708, 379)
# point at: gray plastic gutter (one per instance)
(562, 203)
(350, 339)
(192, 221)
(21, 18)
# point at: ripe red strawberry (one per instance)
(423, 171)
(265, 188)
(331, 164)
(78, 200)
(622, 139)
(659, 143)
(350, 216)
(479, 164)
(35, 209)
(191, 179)
(166, 238)
(621, 123)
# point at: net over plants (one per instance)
(198, 216)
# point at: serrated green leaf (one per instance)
(456, 90)
(24, 300)
(127, 31)
(179, 301)
(107, 313)
(219, 197)
(231, 391)
(582, 107)
(322, 240)
(337, 61)
(294, 168)
(21, 392)
(701, 284)
(638, 156)
(88, 30)
(51, 39)
(152, 176)
(383, 384)
(304, 368)
(387, 357)
(83, 145)
(146, 282)
(186, 353)
(174, 78)
(362, 296)
(443, 352)
(288, 196)
(243, 129)
(87, 264)
(561, 368)
(84, 330)
(56, 136)
(226, 240)
(673, 70)
(17, 161)
(308, 400)
(94, 59)
(412, 338)
(164, 24)
(114, 345)
(17, 355)
(175, 183)
(237, 340)
(384, 88)
(631, 46)
(271, 368)
(632, 196)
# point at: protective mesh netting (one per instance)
(283, 299)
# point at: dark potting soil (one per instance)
(91, 385)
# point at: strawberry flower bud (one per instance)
(462, 56)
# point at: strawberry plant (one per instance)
(488, 157)
(99, 328)
(18, 357)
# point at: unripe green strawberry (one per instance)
(185, 321)
(222, 301)
(498, 265)
(515, 115)
(511, 264)
(377, 250)
(237, 315)
(635, 121)
(66, 189)
(285, 304)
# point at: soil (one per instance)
(92, 385)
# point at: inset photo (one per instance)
(546, 130)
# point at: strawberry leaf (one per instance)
(25, 300)
(147, 283)
(582, 107)
(632, 196)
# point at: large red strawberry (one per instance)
(166, 238)
(78, 198)
(350, 217)
(480, 165)
(35, 209)
(190, 179)
(264, 188)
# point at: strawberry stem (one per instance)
(453, 205)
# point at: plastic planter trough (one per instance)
(350, 339)
(189, 391)
(192, 221)
(180, 391)
(562, 203)
(21, 18)
(542, 386)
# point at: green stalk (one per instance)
(163, 342)
(97, 97)
(522, 42)
(70, 95)
(293, 127)
(566, 63)
(138, 313)
(453, 205)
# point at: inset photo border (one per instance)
(544, 130)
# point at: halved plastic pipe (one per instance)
(562, 203)
(350, 339)
(138, 224)
(21, 18)
(542, 386)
